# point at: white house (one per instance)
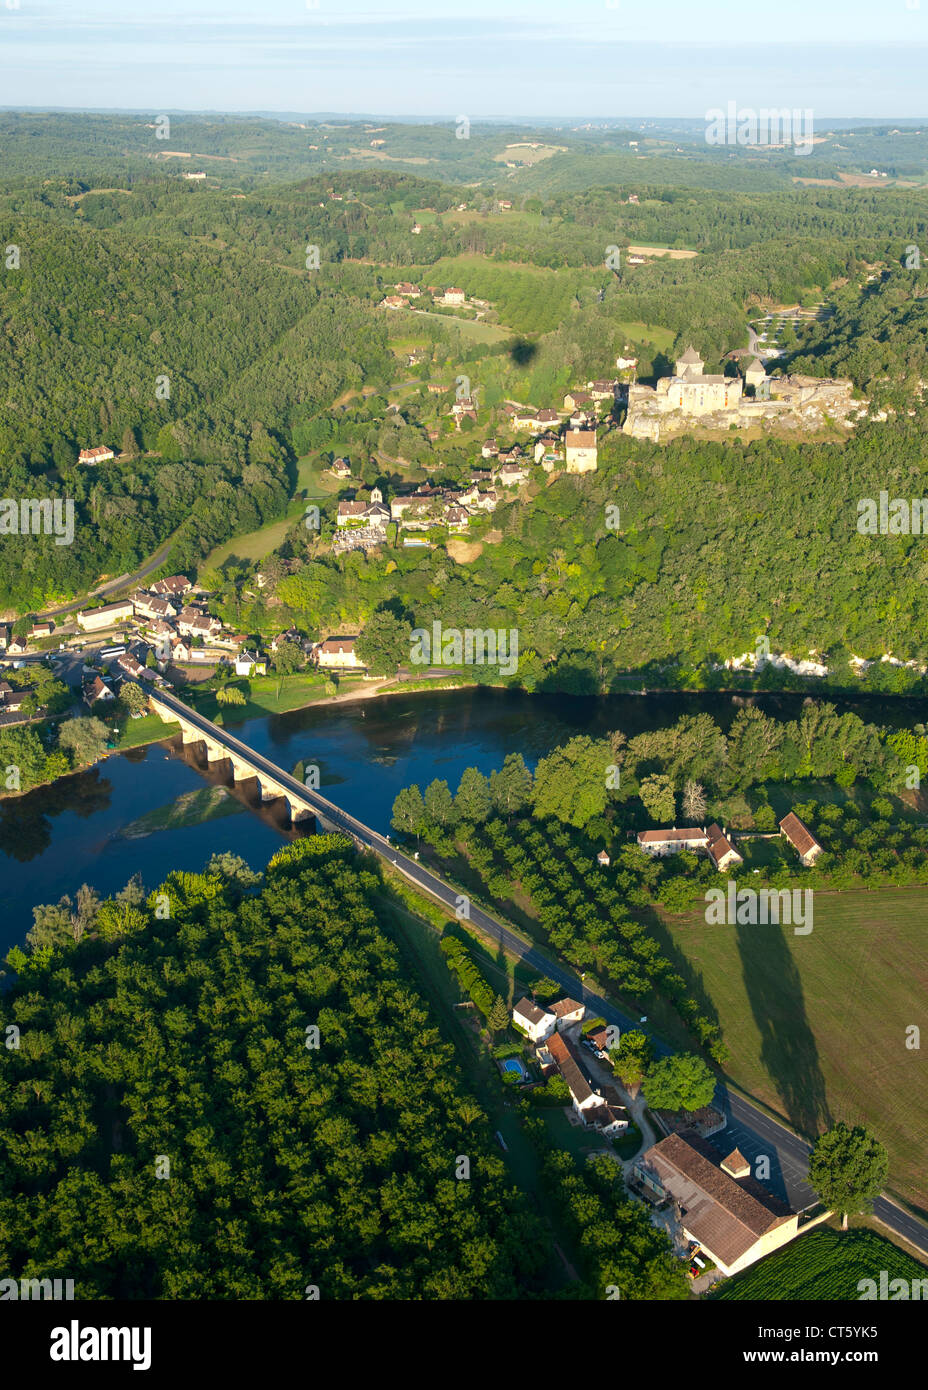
(250, 664)
(537, 1024)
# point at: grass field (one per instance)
(816, 1025)
(824, 1264)
(255, 545)
(650, 334)
(148, 729)
(474, 329)
(263, 697)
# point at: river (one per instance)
(56, 838)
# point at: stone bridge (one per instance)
(248, 766)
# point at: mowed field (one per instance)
(816, 1025)
(312, 483)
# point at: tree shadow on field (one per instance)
(788, 1051)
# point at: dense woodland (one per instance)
(167, 1089)
(290, 1165)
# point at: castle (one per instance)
(720, 402)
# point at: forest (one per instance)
(245, 1099)
(233, 1083)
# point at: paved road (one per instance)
(749, 1128)
(114, 586)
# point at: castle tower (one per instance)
(690, 364)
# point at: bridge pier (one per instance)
(299, 811)
(215, 753)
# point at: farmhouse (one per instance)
(512, 474)
(11, 700)
(569, 1014)
(568, 1064)
(95, 690)
(721, 850)
(175, 586)
(453, 296)
(601, 1110)
(131, 667)
(661, 842)
(250, 664)
(99, 454)
(192, 623)
(714, 841)
(341, 468)
(718, 1203)
(357, 512)
(801, 839)
(151, 606)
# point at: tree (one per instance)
(439, 804)
(384, 643)
(498, 1017)
(694, 801)
(571, 782)
(681, 1082)
(132, 698)
(847, 1169)
(472, 802)
(409, 811)
(230, 695)
(658, 798)
(288, 658)
(331, 688)
(55, 924)
(234, 868)
(511, 786)
(632, 1057)
(84, 739)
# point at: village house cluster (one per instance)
(562, 439)
(555, 1033)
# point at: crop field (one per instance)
(817, 1025)
(821, 1265)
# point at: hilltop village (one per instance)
(562, 440)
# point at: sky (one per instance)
(480, 58)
